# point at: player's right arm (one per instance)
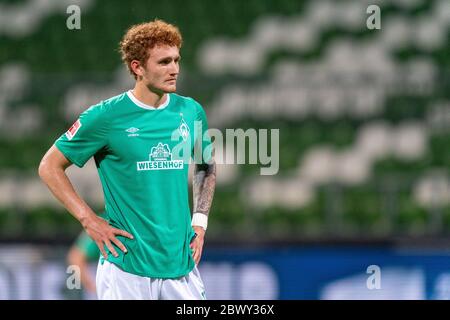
(52, 172)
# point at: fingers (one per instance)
(111, 248)
(123, 233)
(193, 251)
(102, 249)
(197, 255)
(104, 234)
(196, 251)
(119, 244)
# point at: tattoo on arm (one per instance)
(204, 184)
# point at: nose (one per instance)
(175, 68)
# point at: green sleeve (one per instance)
(86, 136)
(202, 142)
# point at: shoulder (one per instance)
(104, 108)
(188, 101)
(191, 104)
(113, 103)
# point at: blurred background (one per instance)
(364, 140)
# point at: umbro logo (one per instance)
(132, 132)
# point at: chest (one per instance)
(137, 136)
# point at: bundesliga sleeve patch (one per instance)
(73, 130)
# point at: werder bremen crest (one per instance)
(183, 128)
(160, 158)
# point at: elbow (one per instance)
(43, 169)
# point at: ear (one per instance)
(137, 68)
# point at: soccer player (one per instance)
(141, 141)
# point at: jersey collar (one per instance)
(146, 106)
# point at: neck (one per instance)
(145, 95)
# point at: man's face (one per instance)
(161, 70)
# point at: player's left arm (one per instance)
(204, 184)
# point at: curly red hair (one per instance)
(141, 37)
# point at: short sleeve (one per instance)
(203, 147)
(86, 136)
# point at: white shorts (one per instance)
(115, 284)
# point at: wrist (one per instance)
(85, 219)
(200, 220)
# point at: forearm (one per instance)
(52, 172)
(59, 184)
(204, 184)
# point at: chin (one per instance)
(170, 89)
